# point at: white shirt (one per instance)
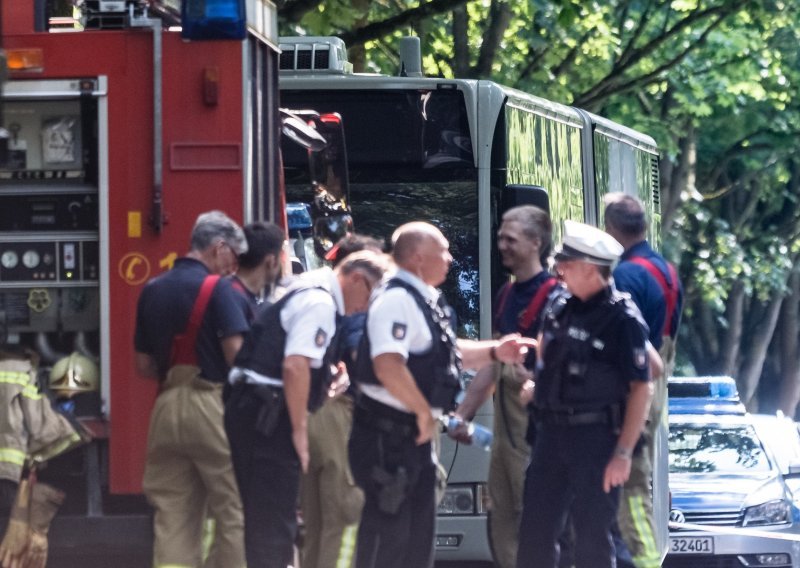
(396, 324)
(309, 317)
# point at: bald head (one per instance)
(420, 248)
(409, 238)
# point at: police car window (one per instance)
(712, 448)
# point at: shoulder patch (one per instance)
(640, 358)
(399, 330)
(320, 337)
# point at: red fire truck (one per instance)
(120, 132)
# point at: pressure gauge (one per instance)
(30, 259)
(9, 259)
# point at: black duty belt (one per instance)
(384, 418)
(573, 418)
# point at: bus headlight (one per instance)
(463, 499)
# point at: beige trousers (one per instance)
(189, 476)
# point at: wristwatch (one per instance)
(624, 453)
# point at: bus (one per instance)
(458, 153)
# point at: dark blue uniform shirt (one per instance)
(646, 291)
(163, 312)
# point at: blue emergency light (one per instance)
(213, 19)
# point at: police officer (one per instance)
(282, 372)
(408, 370)
(591, 399)
(188, 331)
(524, 242)
(654, 286)
(330, 499)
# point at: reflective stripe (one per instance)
(209, 529)
(23, 380)
(11, 455)
(649, 557)
(347, 549)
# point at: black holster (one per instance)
(393, 488)
(272, 404)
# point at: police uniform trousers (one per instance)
(636, 520)
(329, 497)
(398, 477)
(509, 459)
(566, 475)
(188, 475)
(268, 473)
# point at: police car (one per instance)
(731, 506)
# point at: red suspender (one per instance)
(183, 345)
(670, 289)
(536, 304)
(527, 317)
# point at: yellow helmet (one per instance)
(74, 374)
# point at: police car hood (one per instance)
(710, 492)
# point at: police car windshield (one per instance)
(715, 448)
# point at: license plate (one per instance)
(691, 545)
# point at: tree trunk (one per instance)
(732, 336)
(750, 372)
(499, 19)
(461, 66)
(789, 357)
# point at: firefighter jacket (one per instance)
(30, 429)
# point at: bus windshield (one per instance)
(421, 171)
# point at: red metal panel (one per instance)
(125, 57)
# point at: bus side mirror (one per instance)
(518, 194)
(4, 135)
(297, 130)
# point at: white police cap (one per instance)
(589, 244)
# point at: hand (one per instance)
(341, 380)
(513, 348)
(426, 424)
(461, 432)
(300, 441)
(526, 392)
(36, 555)
(15, 543)
(617, 472)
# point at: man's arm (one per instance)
(392, 372)
(296, 386)
(231, 346)
(509, 349)
(479, 389)
(619, 468)
(656, 363)
(146, 365)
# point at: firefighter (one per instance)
(188, 331)
(408, 370)
(259, 266)
(282, 372)
(654, 286)
(591, 399)
(31, 432)
(330, 499)
(524, 242)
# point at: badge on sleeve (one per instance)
(398, 330)
(640, 358)
(320, 337)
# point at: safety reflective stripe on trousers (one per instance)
(649, 557)
(348, 547)
(11, 455)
